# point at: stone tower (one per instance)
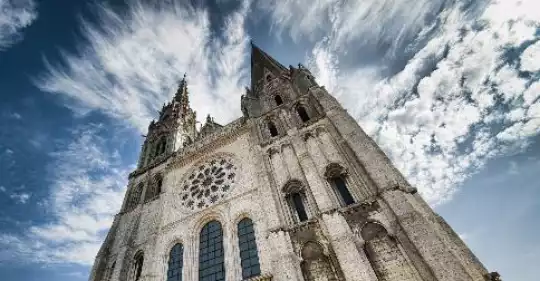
(294, 190)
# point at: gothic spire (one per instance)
(182, 95)
(261, 61)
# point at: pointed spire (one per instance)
(182, 95)
(260, 61)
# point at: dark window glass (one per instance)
(176, 263)
(138, 266)
(299, 206)
(343, 191)
(159, 183)
(278, 100)
(248, 249)
(273, 129)
(211, 256)
(302, 113)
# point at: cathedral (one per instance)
(293, 190)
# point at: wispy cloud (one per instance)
(21, 198)
(131, 62)
(88, 183)
(467, 92)
(14, 17)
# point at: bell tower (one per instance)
(174, 129)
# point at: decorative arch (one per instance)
(336, 175)
(154, 188)
(271, 127)
(296, 197)
(385, 254)
(293, 185)
(334, 170)
(316, 265)
(138, 263)
(304, 111)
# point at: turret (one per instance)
(174, 129)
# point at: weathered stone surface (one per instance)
(244, 170)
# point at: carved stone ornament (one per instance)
(208, 183)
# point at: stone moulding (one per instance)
(218, 138)
(264, 277)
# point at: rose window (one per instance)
(208, 183)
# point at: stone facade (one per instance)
(323, 202)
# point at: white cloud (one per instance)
(457, 103)
(15, 16)
(21, 198)
(132, 61)
(2, 189)
(88, 184)
(529, 58)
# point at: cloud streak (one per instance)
(88, 184)
(14, 17)
(132, 60)
(468, 93)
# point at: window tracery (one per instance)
(208, 183)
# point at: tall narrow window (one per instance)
(137, 268)
(278, 100)
(176, 263)
(302, 113)
(211, 256)
(272, 128)
(299, 206)
(248, 249)
(342, 189)
(162, 145)
(158, 183)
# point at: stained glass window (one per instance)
(176, 263)
(248, 249)
(211, 256)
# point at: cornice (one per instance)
(220, 137)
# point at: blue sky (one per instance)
(449, 89)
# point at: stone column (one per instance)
(313, 178)
(354, 263)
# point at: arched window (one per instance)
(272, 128)
(298, 205)
(341, 187)
(176, 263)
(158, 182)
(162, 145)
(302, 113)
(278, 100)
(137, 266)
(249, 257)
(211, 256)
